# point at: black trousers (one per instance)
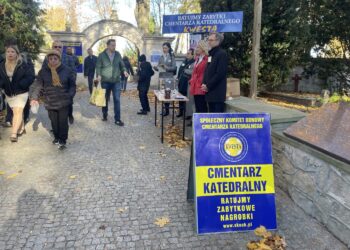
(201, 104)
(59, 123)
(144, 99)
(183, 91)
(90, 82)
(70, 114)
(216, 107)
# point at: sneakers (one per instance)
(165, 114)
(7, 125)
(142, 112)
(181, 114)
(119, 123)
(55, 142)
(62, 145)
(71, 119)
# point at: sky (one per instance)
(87, 16)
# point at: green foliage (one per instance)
(330, 35)
(282, 42)
(152, 25)
(131, 53)
(21, 20)
(335, 98)
(290, 30)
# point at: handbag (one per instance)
(98, 96)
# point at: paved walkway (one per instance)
(108, 188)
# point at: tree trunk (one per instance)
(256, 48)
(142, 13)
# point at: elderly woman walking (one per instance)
(16, 76)
(58, 84)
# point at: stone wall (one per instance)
(319, 184)
(313, 84)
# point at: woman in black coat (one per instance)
(130, 71)
(58, 84)
(16, 76)
(145, 74)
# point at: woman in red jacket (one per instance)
(197, 77)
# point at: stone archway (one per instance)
(146, 44)
(105, 28)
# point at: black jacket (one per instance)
(128, 68)
(55, 98)
(23, 77)
(90, 65)
(183, 77)
(215, 75)
(145, 74)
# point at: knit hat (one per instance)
(204, 46)
(54, 53)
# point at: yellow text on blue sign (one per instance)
(233, 180)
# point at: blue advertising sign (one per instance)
(203, 22)
(234, 182)
(77, 51)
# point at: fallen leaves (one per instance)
(268, 241)
(109, 178)
(133, 93)
(161, 154)
(72, 177)
(142, 147)
(12, 176)
(286, 104)
(122, 210)
(161, 222)
(173, 137)
(162, 178)
(103, 227)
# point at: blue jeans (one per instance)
(115, 88)
(124, 82)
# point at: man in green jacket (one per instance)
(109, 67)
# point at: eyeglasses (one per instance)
(57, 47)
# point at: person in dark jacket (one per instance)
(68, 61)
(183, 77)
(58, 84)
(89, 68)
(9, 113)
(145, 74)
(130, 71)
(15, 79)
(215, 75)
(70, 52)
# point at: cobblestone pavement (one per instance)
(108, 188)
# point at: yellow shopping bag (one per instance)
(98, 96)
(93, 96)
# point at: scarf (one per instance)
(55, 78)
